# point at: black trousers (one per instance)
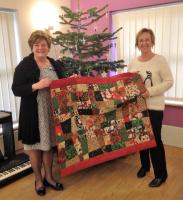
(157, 154)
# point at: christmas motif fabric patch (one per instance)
(99, 119)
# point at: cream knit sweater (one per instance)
(157, 78)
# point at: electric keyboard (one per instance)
(14, 168)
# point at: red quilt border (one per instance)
(106, 157)
(83, 80)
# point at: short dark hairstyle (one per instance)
(39, 35)
(145, 30)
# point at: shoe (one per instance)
(156, 182)
(41, 191)
(57, 186)
(142, 172)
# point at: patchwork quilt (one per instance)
(98, 119)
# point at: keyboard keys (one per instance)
(14, 171)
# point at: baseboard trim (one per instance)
(172, 135)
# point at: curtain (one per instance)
(167, 23)
(8, 61)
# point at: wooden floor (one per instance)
(114, 180)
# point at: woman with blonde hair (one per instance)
(157, 78)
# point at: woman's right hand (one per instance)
(43, 83)
(146, 94)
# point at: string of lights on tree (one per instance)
(86, 52)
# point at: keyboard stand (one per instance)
(8, 136)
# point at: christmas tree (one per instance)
(85, 53)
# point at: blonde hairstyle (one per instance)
(39, 35)
(145, 30)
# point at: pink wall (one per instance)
(115, 5)
(173, 115)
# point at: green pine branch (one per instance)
(85, 47)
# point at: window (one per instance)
(167, 24)
(9, 57)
